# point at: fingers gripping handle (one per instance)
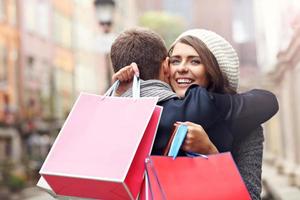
(135, 88)
(111, 91)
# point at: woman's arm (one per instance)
(248, 110)
(247, 154)
(243, 112)
(259, 104)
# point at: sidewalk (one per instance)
(274, 184)
(277, 185)
(34, 193)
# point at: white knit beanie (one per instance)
(224, 53)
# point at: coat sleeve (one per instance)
(242, 112)
(246, 111)
(248, 154)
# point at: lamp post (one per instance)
(104, 13)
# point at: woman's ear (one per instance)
(164, 72)
(166, 67)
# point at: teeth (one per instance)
(181, 80)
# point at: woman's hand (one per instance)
(197, 140)
(126, 73)
(125, 76)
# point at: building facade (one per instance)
(282, 132)
(63, 57)
(9, 60)
(36, 52)
(278, 47)
(9, 45)
(90, 70)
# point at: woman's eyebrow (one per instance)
(189, 56)
(194, 57)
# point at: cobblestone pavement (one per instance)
(277, 186)
(34, 193)
(31, 193)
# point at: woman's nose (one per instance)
(182, 67)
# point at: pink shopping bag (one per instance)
(101, 149)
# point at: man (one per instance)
(147, 49)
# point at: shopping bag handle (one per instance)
(135, 88)
(178, 139)
(111, 91)
(149, 162)
(193, 154)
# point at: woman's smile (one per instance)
(184, 82)
(186, 69)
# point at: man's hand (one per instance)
(197, 140)
(125, 76)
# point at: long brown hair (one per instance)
(217, 81)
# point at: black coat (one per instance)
(224, 117)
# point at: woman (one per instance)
(207, 59)
(197, 57)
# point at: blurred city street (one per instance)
(52, 50)
(31, 193)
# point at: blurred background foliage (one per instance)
(167, 25)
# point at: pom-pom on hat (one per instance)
(224, 53)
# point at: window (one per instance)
(64, 89)
(2, 10)
(42, 22)
(3, 65)
(64, 80)
(5, 148)
(45, 90)
(12, 12)
(62, 29)
(30, 71)
(30, 15)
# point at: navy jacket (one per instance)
(224, 117)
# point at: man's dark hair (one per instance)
(142, 46)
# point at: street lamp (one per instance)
(104, 13)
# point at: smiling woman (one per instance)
(204, 58)
(186, 69)
(191, 62)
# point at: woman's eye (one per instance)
(196, 62)
(174, 61)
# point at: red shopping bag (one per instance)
(145, 193)
(101, 148)
(212, 178)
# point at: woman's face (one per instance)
(186, 69)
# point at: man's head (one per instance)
(142, 46)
